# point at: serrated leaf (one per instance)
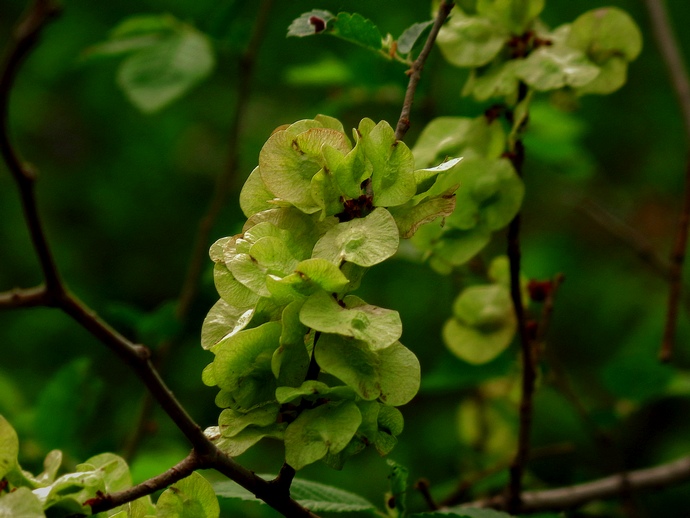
(357, 29)
(470, 41)
(310, 23)
(314, 496)
(483, 323)
(410, 36)
(21, 503)
(327, 428)
(191, 497)
(160, 73)
(364, 241)
(376, 326)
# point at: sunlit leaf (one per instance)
(9, 447)
(357, 29)
(364, 241)
(191, 497)
(21, 503)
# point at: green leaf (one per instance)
(490, 193)
(425, 178)
(325, 429)
(514, 15)
(114, 468)
(313, 390)
(483, 323)
(191, 497)
(302, 156)
(21, 503)
(357, 29)
(157, 74)
(455, 246)
(231, 422)
(71, 490)
(290, 361)
(556, 66)
(223, 320)
(392, 177)
(376, 326)
(410, 36)
(391, 374)
(458, 136)
(498, 80)
(349, 170)
(409, 219)
(317, 497)
(364, 241)
(605, 33)
(245, 439)
(322, 273)
(9, 447)
(242, 365)
(313, 22)
(471, 41)
(255, 196)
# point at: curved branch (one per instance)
(415, 71)
(613, 486)
(24, 39)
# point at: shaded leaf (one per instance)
(470, 41)
(410, 36)
(357, 29)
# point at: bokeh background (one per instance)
(121, 194)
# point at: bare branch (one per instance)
(670, 51)
(25, 38)
(24, 298)
(416, 69)
(613, 486)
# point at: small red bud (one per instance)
(318, 23)
(539, 290)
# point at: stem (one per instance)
(529, 373)
(670, 52)
(415, 71)
(613, 486)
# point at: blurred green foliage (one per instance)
(121, 194)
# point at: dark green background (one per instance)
(121, 194)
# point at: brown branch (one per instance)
(25, 37)
(670, 52)
(24, 298)
(527, 346)
(137, 357)
(613, 486)
(176, 473)
(415, 71)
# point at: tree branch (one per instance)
(25, 37)
(563, 498)
(137, 357)
(415, 71)
(670, 52)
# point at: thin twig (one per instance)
(613, 486)
(24, 298)
(547, 308)
(25, 37)
(529, 373)
(55, 294)
(423, 485)
(670, 52)
(416, 69)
